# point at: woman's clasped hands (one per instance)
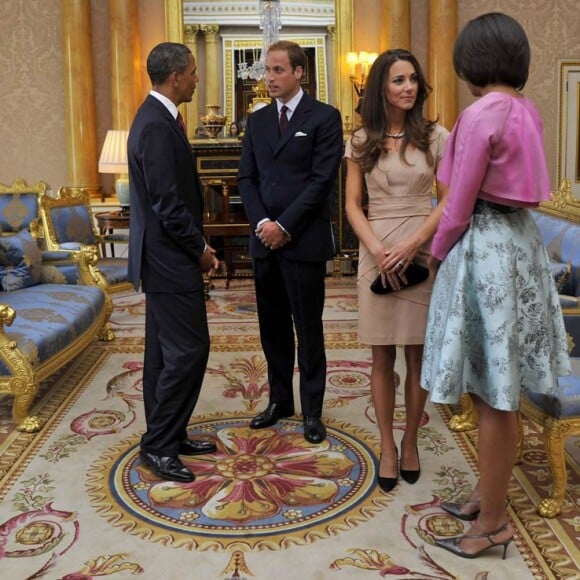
(393, 263)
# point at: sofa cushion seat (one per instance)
(114, 270)
(49, 318)
(565, 404)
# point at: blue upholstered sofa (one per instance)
(559, 414)
(47, 315)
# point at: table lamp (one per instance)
(114, 160)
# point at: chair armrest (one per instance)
(55, 256)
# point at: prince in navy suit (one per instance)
(167, 255)
(290, 158)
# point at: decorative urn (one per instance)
(212, 121)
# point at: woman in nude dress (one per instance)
(395, 154)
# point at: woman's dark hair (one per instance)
(166, 58)
(492, 48)
(376, 118)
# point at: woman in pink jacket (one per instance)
(495, 325)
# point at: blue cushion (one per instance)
(73, 224)
(17, 211)
(565, 404)
(20, 261)
(113, 269)
(49, 317)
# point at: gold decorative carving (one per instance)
(562, 203)
(210, 31)
(555, 433)
(191, 31)
(20, 186)
(466, 420)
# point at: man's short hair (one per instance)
(166, 58)
(296, 54)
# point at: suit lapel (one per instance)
(272, 130)
(180, 135)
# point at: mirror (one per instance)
(566, 198)
(336, 87)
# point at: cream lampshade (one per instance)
(114, 160)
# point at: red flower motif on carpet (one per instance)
(254, 476)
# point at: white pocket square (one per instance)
(300, 134)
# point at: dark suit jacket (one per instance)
(166, 238)
(291, 178)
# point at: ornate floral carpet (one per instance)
(76, 503)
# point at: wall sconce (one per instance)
(358, 69)
(114, 160)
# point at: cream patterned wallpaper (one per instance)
(32, 113)
(553, 28)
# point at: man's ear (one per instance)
(299, 71)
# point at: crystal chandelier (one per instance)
(270, 26)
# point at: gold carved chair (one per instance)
(69, 224)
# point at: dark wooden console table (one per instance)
(217, 163)
(108, 222)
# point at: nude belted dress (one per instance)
(400, 201)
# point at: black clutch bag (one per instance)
(415, 275)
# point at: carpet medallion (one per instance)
(261, 489)
(76, 502)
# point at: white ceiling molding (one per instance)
(318, 13)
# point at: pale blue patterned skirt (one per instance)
(495, 325)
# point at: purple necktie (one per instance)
(181, 123)
(283, 119)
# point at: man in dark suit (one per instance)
(290, 158)
(167, 255)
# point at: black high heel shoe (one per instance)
(387, 483)
(453, 544)
(411, 475)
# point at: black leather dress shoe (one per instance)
(314, 430)
(167, 467)
(196, 447)
(273, 412)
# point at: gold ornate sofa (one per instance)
(47, 314)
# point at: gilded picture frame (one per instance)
(564, 202)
